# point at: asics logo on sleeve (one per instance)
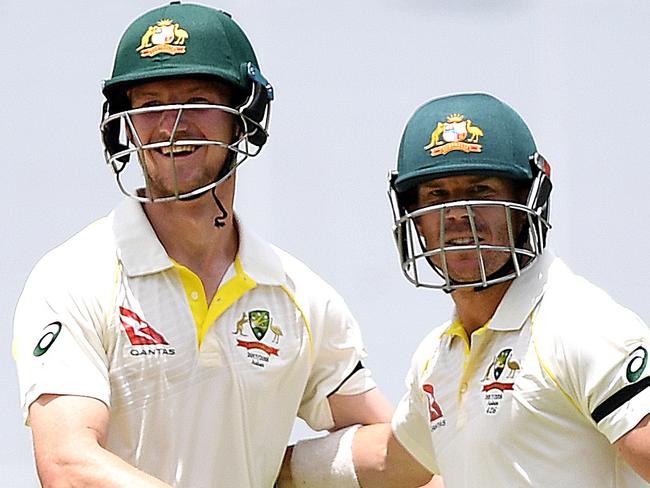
(633, 372)
(637, 364)
(45, 342)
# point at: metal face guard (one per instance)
(123, 145)
(426, 264)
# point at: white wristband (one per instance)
(325, 462)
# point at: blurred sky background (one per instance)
(347, 76)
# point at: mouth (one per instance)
(462, 241)
(177, 151)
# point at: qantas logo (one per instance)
(139, 331)
(435, 412)
(436, 416)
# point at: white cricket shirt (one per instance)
(558, 374)
(200, 395)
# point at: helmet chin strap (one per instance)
(507, 268)
(219, 220)
(502, 271)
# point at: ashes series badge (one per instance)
(498, 379)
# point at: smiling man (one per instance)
(166, 344)
(539, 379)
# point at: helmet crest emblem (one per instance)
(456, 134)
(163, 37)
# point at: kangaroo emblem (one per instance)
(435, 135)
(239, 327)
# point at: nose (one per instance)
(169, 120)
(457, 213)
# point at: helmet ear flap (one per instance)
(111, 135)
(399, 228)
(258, 105)
(255, 111)
(540, 192)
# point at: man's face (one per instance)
(194, 165)
(490, 223)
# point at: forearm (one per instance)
(380, 461)
(634, 447)
(285, 479)
(69, 434)
(90, 466)
(372, 458)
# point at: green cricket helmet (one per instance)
(468, 134)
(184, 41)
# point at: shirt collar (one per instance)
(142, 253)
(259, 259)
(523, 295)
(139, 249)
(517, 304)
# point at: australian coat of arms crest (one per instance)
(456, 134)
(259, 323)
(163, 37)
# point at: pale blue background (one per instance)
(347, 77)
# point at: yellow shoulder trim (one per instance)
(546, 368)
(304, 319)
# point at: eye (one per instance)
(201, 100)
(432, 196)
(147, 103)
(438, 193)
(482, 189)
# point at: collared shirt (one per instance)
(200, 394)
(556, 376)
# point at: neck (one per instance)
(475, 308)
(187, 232)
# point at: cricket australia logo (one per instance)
(163, 37)
(456, 134)
(436, 416)
(499, 377)
(259, 323)
(140, 333)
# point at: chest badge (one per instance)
(499, 377)
(259, 323)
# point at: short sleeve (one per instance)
(601, 361)
(337, 366)
(410, 423)
(57, 340)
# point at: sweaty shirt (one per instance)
(200, 394)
